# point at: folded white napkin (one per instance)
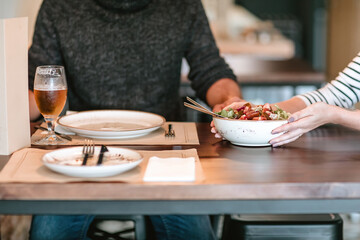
(170, 170)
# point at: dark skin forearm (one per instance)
(222, 93)
(33, 109)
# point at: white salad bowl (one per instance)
(247, 132)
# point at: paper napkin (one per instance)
(170, 170)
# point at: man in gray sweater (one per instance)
(127, 54)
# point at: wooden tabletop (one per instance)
(323, 164)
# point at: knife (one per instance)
(57, 133)
(101, 154)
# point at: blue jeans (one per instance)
(167, 227)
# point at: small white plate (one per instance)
(111, 124)
(68, 161)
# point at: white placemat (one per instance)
(25, 166)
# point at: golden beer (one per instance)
(50, 102)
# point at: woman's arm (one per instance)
(344, 91)
(312, 117)
(292, 105)
(222, 93)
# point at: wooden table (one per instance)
(319, 173)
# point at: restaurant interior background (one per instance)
(321, 33)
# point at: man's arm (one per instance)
(45, 50)
(211, 77)
(34, 111)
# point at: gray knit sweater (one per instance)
(127, 57)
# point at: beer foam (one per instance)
(49, 88)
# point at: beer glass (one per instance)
(50, 90)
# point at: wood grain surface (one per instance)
(323, 164)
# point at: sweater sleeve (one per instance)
(45, 49)
(202, 55)
(344, 91)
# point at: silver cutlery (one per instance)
(198, 107)
(170, 132)
(88, 150)
(67, 137)
(101, 154)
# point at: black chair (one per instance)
(283, 226)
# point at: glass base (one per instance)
(51, 140)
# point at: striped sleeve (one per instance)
(344, 91)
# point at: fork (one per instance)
(87, 151)
(170, 132)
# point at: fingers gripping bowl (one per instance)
(247, 132)
(250, 126)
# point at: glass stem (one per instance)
(50, 122)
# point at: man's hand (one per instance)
(234, 103)
(221, 94)
(234, 100)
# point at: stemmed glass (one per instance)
(50, 90)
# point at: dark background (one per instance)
(303, 21)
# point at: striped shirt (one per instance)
(343, 91)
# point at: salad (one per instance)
(259, 112)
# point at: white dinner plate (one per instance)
(68, 161)
(111, 124)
